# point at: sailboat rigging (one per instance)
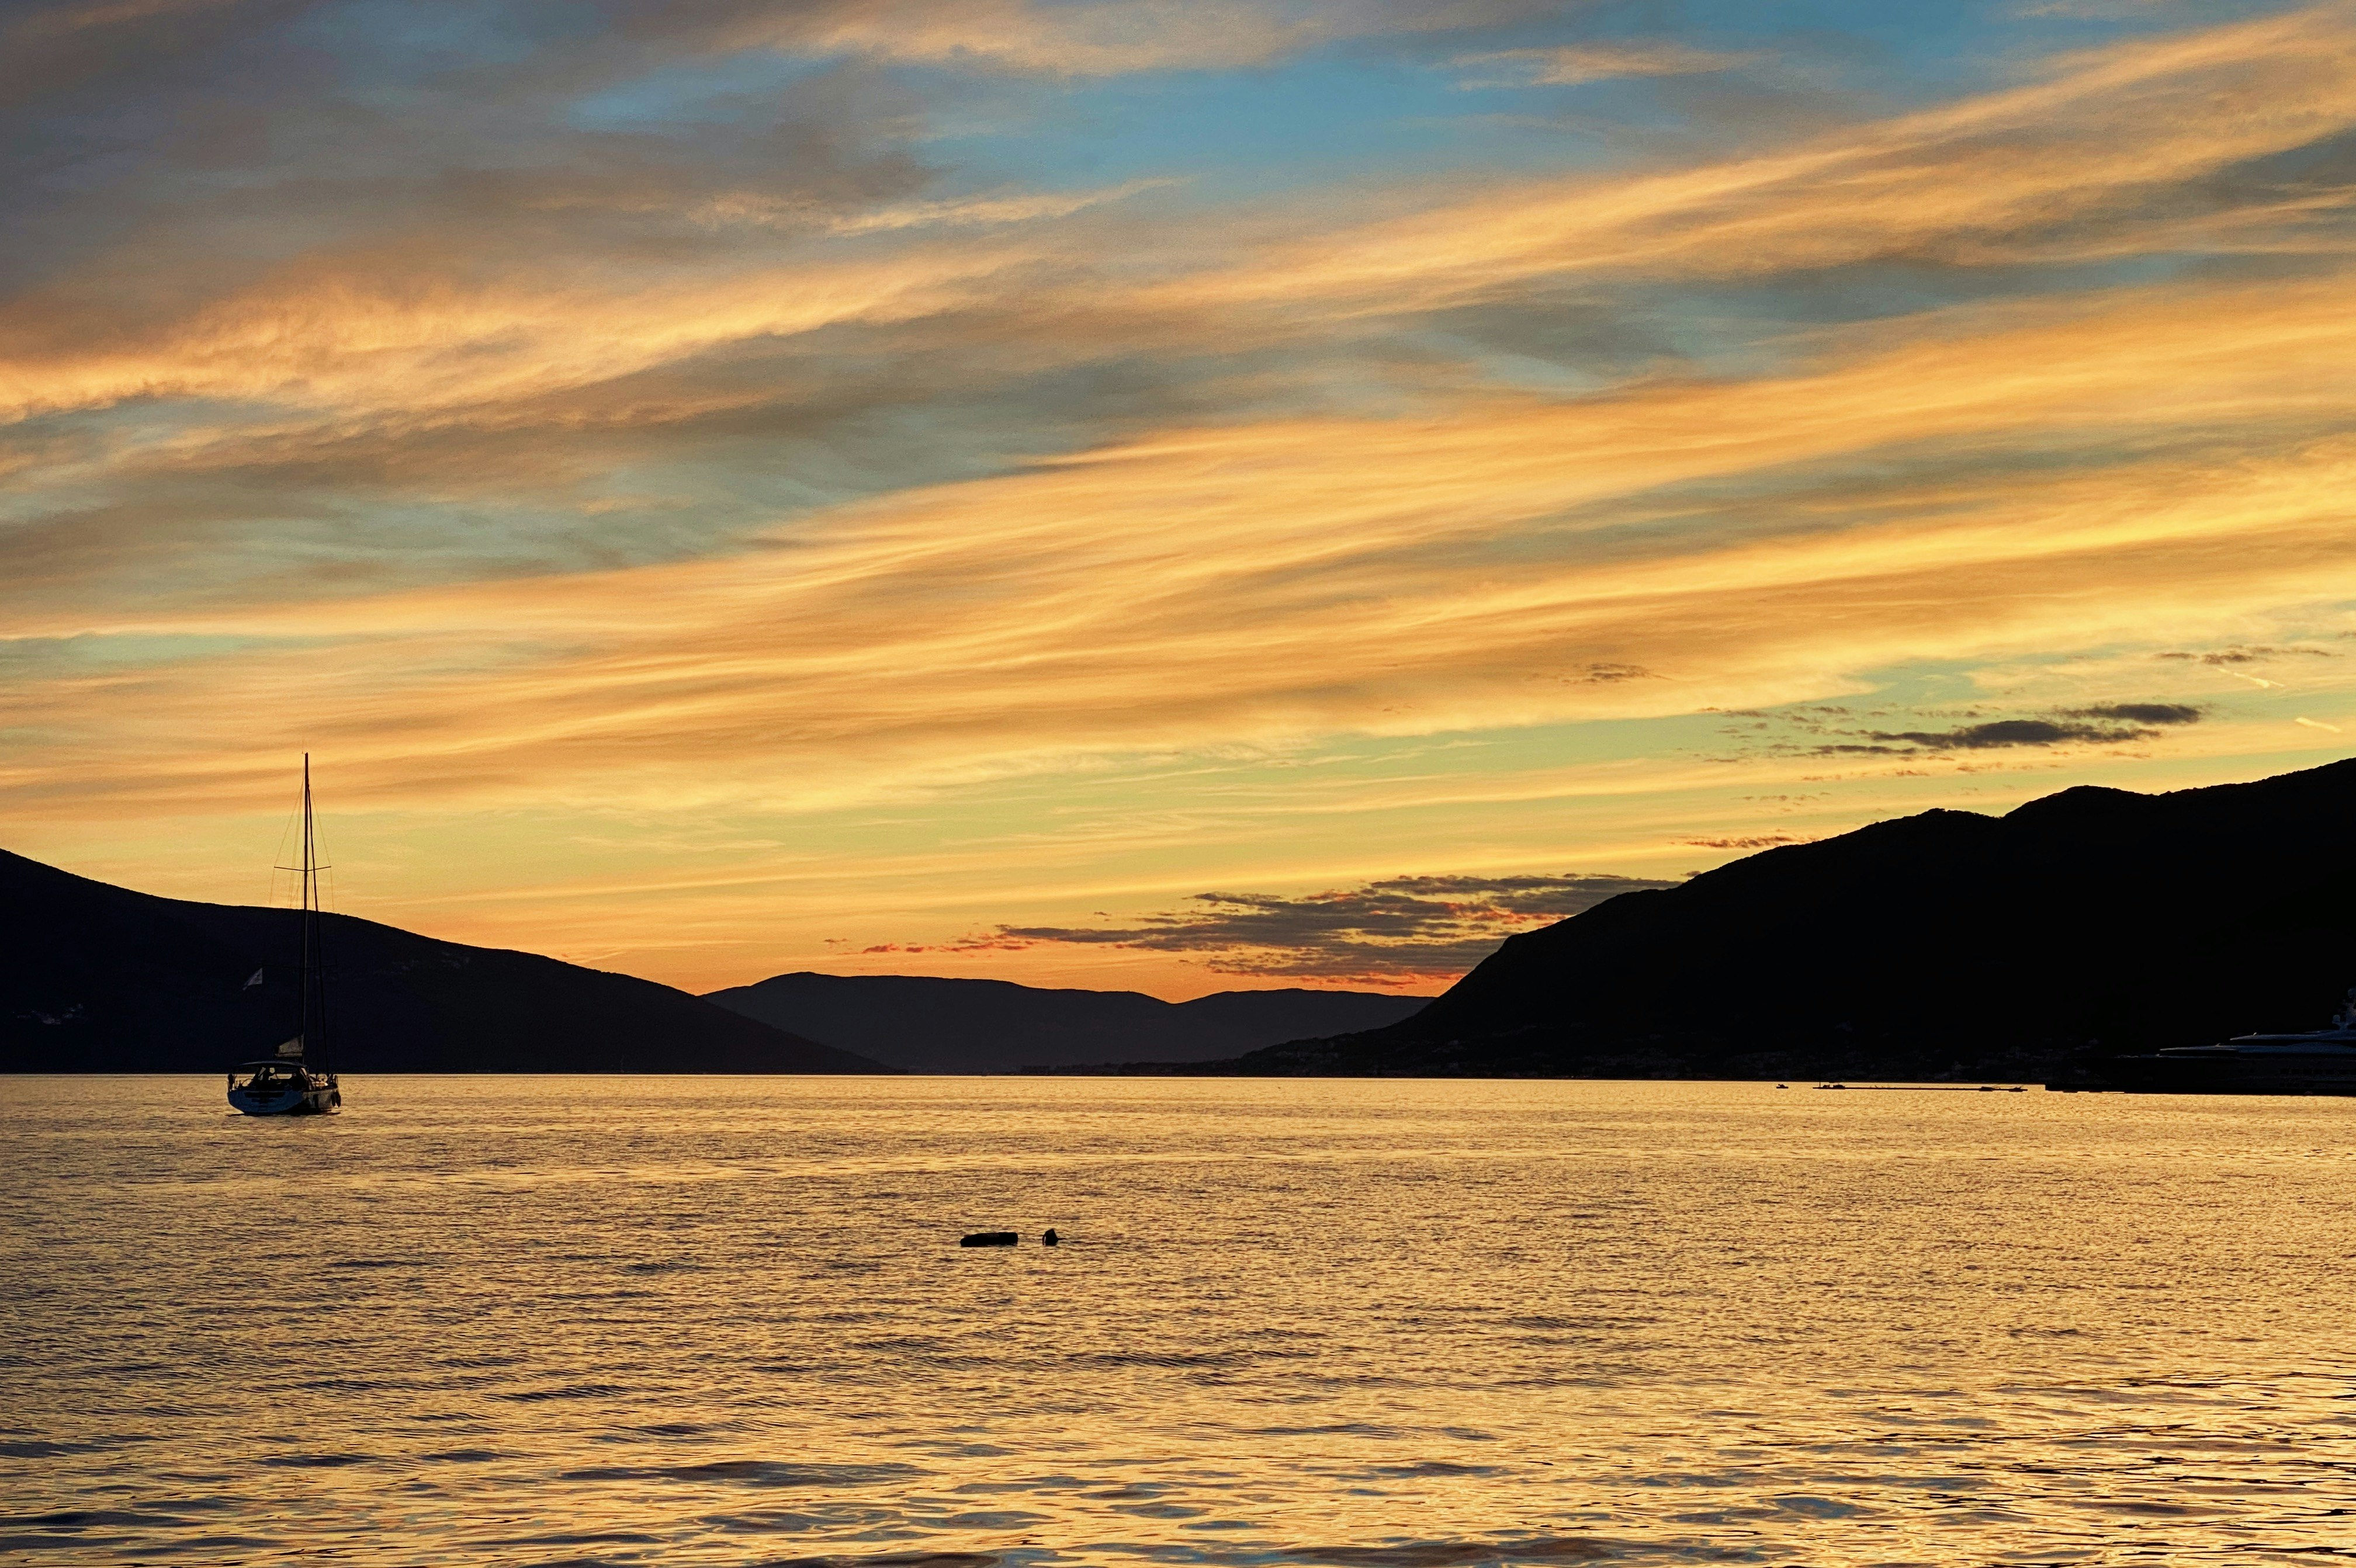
(289, 1084)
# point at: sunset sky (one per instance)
(1171, 494)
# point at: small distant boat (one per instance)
(288, 1084)
(2317, 1061)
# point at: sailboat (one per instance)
(288, 1084)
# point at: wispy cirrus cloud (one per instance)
(1242, 574)
(1111, 39)
(2101, 160)
(672, 412)
(1568, 65)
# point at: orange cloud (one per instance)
(1108, 37)
(1101, 40)
(2055, 168)
(2076, 167)
(319, 335)
(2066, 168)
(1383, 576)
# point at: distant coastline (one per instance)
(1947, 946)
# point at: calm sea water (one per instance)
(1389, 1325)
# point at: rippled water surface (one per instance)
(534, 1320)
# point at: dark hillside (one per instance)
(95, 978)
(930, 1024)
(1943, 944)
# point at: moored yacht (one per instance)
(283, 1088)
(288, 1084)
(2319, 1061)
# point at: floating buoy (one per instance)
(990, 1239)
(1051, 1238)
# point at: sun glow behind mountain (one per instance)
(743, 487)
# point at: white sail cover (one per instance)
(292, 1048)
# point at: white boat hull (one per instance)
(2319, 1061)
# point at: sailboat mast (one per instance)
(318, 920)
(309, 897)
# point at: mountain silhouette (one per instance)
(98, 979)
(1948, 944)
(933, 1025)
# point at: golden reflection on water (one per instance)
(1390, 1324)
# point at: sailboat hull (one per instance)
(320, 1100)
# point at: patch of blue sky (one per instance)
(1389, 109)
(1926, 696)
(1301, 123)
(1540, 374)
(1937, 694)
(102, 435)
(391, 44)
(1426, 106)
(702, 91)
(1931, 688)
(1305, 124)
(88, 653)
(1776, 326)
(764, 477)
(376, 544)
(1781, 324)
(1578, 346)
(1922, 50)
(1938, 49)
(166, 418)
(1919, 482)
(1892, 286)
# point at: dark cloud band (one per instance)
(1401, 929)
(2114, 723)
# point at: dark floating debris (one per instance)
(1931, 1088)
(1051, 1238)
(990, 1239)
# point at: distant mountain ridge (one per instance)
(1948, 944)
(931, 1024)
(98, 979)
